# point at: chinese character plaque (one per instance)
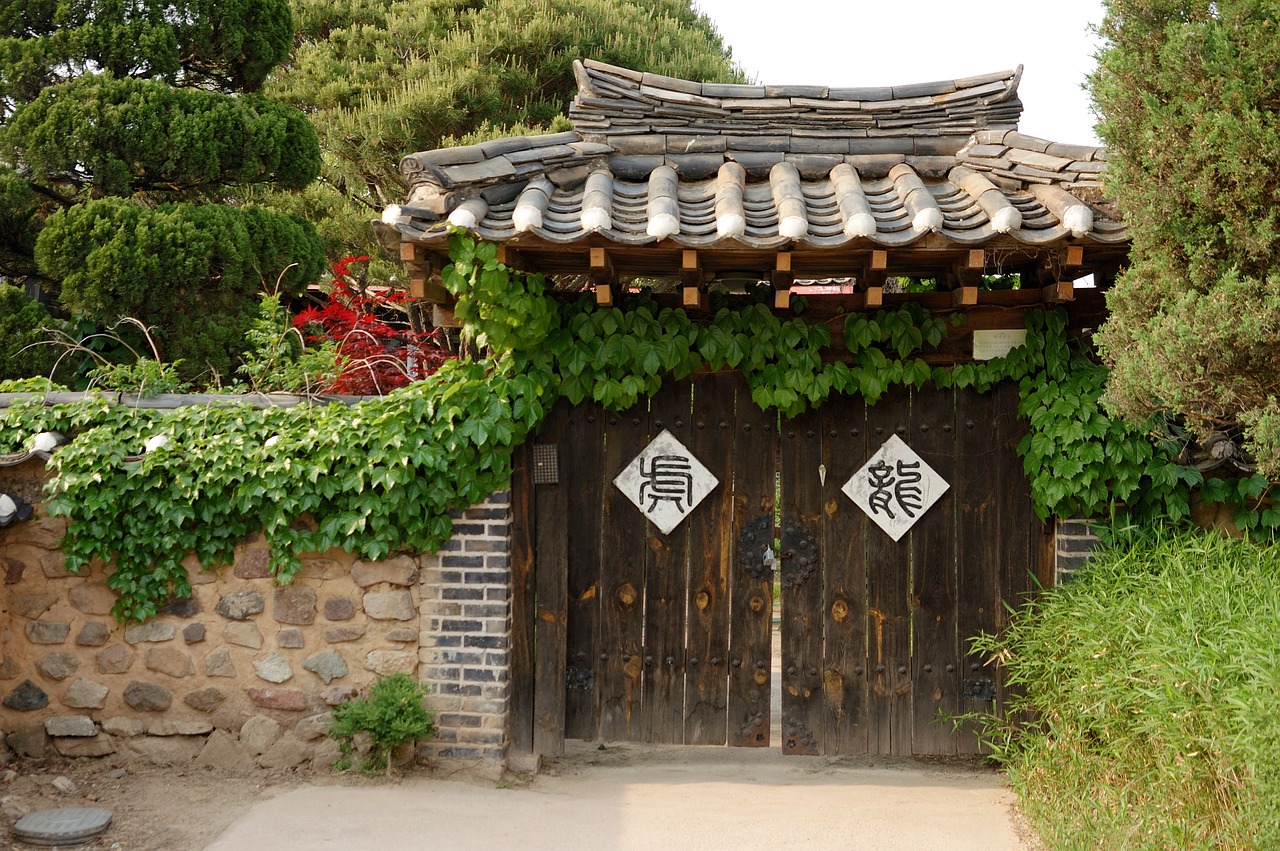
(895, 488)
(666, 482)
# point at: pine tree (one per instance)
(122, 127)
(384, 78)
(1189, 93)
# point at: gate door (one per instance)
(623, 633)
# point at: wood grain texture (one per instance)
(581, 448)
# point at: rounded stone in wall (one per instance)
(340, 634)
(47, 632)
(339, 609)
(243, 635)
(193, 633)
(401, 570)
(26, 697)
(290, 638)
(93, 634)
(273, 669)
(328, 665)
(254, 564)
(85, 694)
(154, 632)
(92, 598)
(170, 661)
(205, 699)
(295, 604)
(147, 697)
(389, 605)
(388, 662)
(31, 605)
(58, 666)
(218, 664)
(115, 659)
(241, 605)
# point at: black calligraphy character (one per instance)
(908, 491)
(668, 477)
(881, 476)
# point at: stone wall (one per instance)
(244, 672)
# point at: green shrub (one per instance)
(22, 321)
(1154, 679)
(391, 715)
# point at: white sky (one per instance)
(860, 43)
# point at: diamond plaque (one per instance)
(895, 487)
(666, 482)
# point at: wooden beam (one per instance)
(873, 297)
(604, 295)
(1075, 256)
(873, 274)
(977, 259)
(964, 296)
(879, 261)
(782, 299)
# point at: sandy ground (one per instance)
(624, 797)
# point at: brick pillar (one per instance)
(1075, 545)
(466, 633)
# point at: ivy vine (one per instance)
(384, 474)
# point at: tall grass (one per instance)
(1155, 686)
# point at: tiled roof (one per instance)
(654, 158)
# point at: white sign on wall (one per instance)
(666, 482)
(895, 487)
(989, 345)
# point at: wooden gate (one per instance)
(622, 633)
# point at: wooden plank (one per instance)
(711, 560)
(888, 621)
(520, 706)
(666, 590)
(1018, 524)
(935, 648)
(580, 454)
(844, 566)
(976, 493)
(550, 575)
(803, 693)
(754, 434)
(621, 583)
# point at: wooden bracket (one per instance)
(1058, 293)
(782, 299)
(412, 252)
(690, 269)
(513, 258)
(693, 298)
(873, 297)
(875, 271)
(964, 296)
(425, 285)
(602, 275)
(782, 276)
(1074, 257)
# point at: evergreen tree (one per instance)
(380, 79)
(1189, 94)
(122, 125)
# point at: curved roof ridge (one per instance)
(613, 100)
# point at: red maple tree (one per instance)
(375, 355)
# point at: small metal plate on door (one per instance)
(546, 463)
(979, 690)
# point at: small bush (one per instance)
(391, 715)
(24, 344)
(1154, 679)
